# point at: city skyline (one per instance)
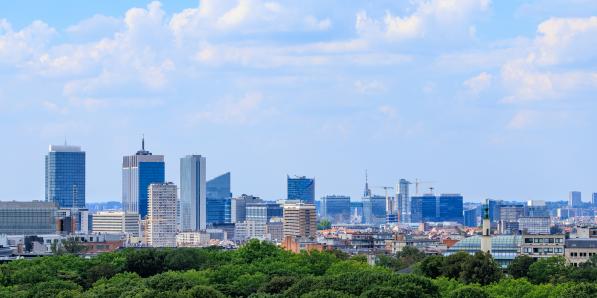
(490, 99)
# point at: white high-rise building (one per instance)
(116, 222)
(161, 215)
(193, 203)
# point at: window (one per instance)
(551, 240)
(528, 240)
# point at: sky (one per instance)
(491, 99)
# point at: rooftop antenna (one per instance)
(143, 142)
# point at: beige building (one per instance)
(542, 246)
(115, 222)
(300, 220)
(161, 215)
(192, 239)
(579, 251)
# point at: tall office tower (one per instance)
(594, 201)
(536, 208)
(450, 208)
(424, 208)
(374, 210)
(300, 220)
(193, 193)
(161, 215)
(238, 207)
(486, 234)
(138, 171)
(28, 218)
(336, 209)
(65, 176)
(470, 218)
(494, 210)
(219, 199)
(403, 198)
(575, 199)
(509, 215)
(301, 188)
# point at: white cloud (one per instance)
(95, 27)
(388, 111)
(427, 20)
(18, 46)
(369, 86)
(242, 111)
(478, 83)
(522, 119)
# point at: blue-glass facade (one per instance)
(423, 208)
(356, 209)
(219, 199)
(374, 210)
(263, 211)
(336, 209)
(470, 218)
(65, 176)
(149, 172)
(193, 197)
(301, 188)
(450, 208)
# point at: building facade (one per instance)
(115, 222)
(238, 207)
(471, 217)
(161, 215)
(534, 225)
(193, 193)
(301, 188)
(575, 199)
(138, 172)
(579, 251)
(336, 209)
(403, 200)
(300, 220)
(219, 199)
(28, 218)
(542, 246)
(65, 176)
(374, 210)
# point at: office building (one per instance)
(238, 207)
(301, 188)
(192, 239)
(579, 251)
(219, 199)
(536, 208)
(509, 215)
(450, 208)
(403, 201)
(534, 225)
(264, 211)
(575, 199)
(115, 222)
(275, 229)
(28, 218)
(300, 220)
(356, 212)
(336, 209)
(374, 210)
(504, 248)
(594, 201)
(65, 176)
(471, 218)
(542, 246)
(161, 215)
(424, 208)
(193, 197)
(138, 171)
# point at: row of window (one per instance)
(582, 254)
(543, 240)
(538, 250)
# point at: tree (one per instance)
(67, 246)
(326, 293)
(453, 264)
(469, 292)
(203, 292)
(410, 255)
(145, 262)
(481, 268)
(389, 262)
(431, 266)
(552, 269)
(520, 266)
(580, 290)
(277, 284)
(324, 224)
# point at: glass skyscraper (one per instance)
(424, 208)
(65, 176)
(431, 208)
(301, 188)
(450, 208)
(403, 198)
(219, 199)
(374, 210)
(193, 194)
(336, 209)
(138, 172)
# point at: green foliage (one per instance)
(552, 269)
(519, 267)
(326, 294)
(145, 262)
(469, 292)
(203, 292)
(324, 224)
(481, 269)
(509, 287)
(277, 284)
(431, 266)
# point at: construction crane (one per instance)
(418, 182)
(389, 203)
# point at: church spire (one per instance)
(367, 192)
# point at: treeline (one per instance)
(261, 270)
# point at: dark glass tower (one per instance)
(219, 199)
(65, 176)
(301, 188)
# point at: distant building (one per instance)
(403, 201)
(374, 210)
(594, 201)
(193, 202)
(575, 199)
(115, 222)
(579, 251)
(275, 229)
(138, 171)
(509, 216)
(336, 209)
(161, 215)
(450, 208)
(356, 212)
(542, 246)
(300, 220)
(471, 218)
(28, 218)
(65, 176)
(301, 188)
(536, 208)
(238, 207)
(192, 239)
(534, 225)
(219, 199)
(263, 211)
(504, 248)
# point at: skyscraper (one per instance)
(574, 199)
(374, 210)
(594, 199)
(193, 202)
(445, 207)
(301, 188)
(336, 209)
(238, 208)
(138, 171)
(450, 208)
(65, 176)
(219, 199)
(161, 215)
(300, 220)
(403, 198)
(424, 208)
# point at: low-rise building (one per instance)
(542, 246)
(192, 239)
(579, 251)
(115, 222)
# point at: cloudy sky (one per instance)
(487, 98)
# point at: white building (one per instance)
(115, 222)
(192, 239)
(161, 215)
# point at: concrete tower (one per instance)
(486, 237)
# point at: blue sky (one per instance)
(486, 98)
